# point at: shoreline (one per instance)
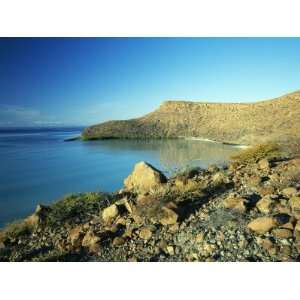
(216, 142)
(216, 214)
(241, 146)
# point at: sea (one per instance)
(39, 167)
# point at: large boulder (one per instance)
(144, 178)
(235, 203)
(91, 241)
(262, 225)
(264, 205)
(38, 216)
(294, 203)
(169, 216)
(110, 213)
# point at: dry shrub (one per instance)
(15, 230)
(255, 153)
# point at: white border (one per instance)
(156, 280)
(149, 18)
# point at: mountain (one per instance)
(242, 123)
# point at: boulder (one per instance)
(264, 205)
(282, 233)
(254, 181)
(118, 241)
(110, 213)
(266, 190)
(262, 225)
(289, 192)
(294, 203)
(170, 250)
(145, 233)
(169, 216)
(212, 168)
(264, 164)
(38, 216)
(235, 203)
(297, 231)
(75, 236)
(90, 241)
(144, 178)
(282, 218)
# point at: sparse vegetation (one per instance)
(76, 206)
(260, 122)
(186, 218)
(14, 230)
(253, 154)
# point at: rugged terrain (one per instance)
(247, 211)
(272, 120)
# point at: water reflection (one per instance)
(172, 154)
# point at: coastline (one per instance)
(216, 142)
(246, 211)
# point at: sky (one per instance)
(84, 81)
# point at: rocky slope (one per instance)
(251, 123)
(248, 211)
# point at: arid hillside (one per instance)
(241, 123)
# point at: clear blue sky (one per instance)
(84, 81)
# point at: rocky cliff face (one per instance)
(244, 123)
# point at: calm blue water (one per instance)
(37, 166)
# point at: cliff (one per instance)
(244, 123)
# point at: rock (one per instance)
(289, 192)
(33, 220)
(145, 233)
(118, 241)
(212, 168)
(254, 181)
(264, 205)
(38, 216)
(262, 225)
(90, 241)
(169, 217)
(75, 236)
(274, 177)
(282, 233)
(264, 164)
(142, 200)
(208, 249)
(297, 231)
(282, 218)
(42, 209)
(170, 250)
(174, 228)
(126, 204)
(144, 178)
(288, 225)
(265, 243)
(237, 204)
(266, 190)
(284, 252)
(199, 237)
(110, 213)
(294, 203)
(121, 221)
(282, 209)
